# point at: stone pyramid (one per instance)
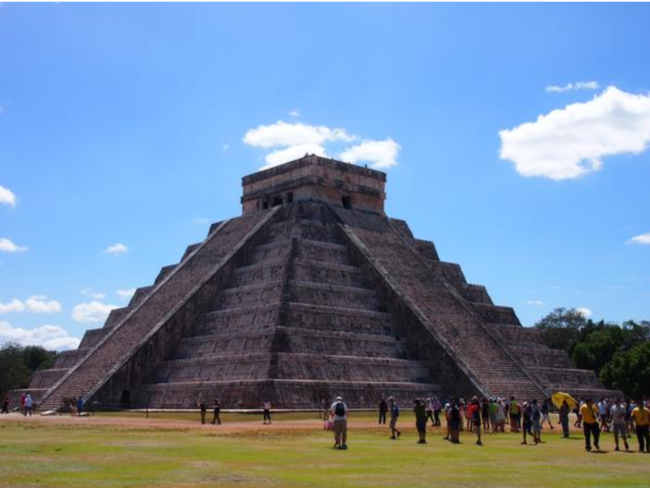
(312, 293)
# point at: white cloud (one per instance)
(534, 302)
(578, 85)
(640, 239)
(48, 336)
(380, 154)
(7, 246)
(293, 152)
(294, 113)
(125, 294)
(584, 311)
(200, 221)
(7, 196)
(116, 249)
(93, 311)
(282, 134)
(35, 304)
(570, 142)
(89, 293)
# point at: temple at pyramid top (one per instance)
(315, 179)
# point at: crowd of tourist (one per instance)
(476, 417)
(492, 415)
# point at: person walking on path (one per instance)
(267, 412)
(589, 413)
(5, 405)
(618, 413)
(383, 409)
(339, 414)
(216, 419)
(641, 416)
(202, 408)
(421, 418)
(394, 415)
(564, 419)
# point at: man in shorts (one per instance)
(619, 423)
(339, 414)
(421, 417)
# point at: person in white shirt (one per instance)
(619, 423)
(339, 415)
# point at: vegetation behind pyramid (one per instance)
(312, 293)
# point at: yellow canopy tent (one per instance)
(560, 397)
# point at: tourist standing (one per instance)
(202, 408)
(501, 415)
(603, 414)
(421, 417)
(394, 415)
(29, 403)
(23, 395)
(476, 419)
(267, 412)
(515, 415)
(5, 405)
(589, 414)
(339, 412)
(526, 425)
(641, 416)
(80, 405)
(546, 413)
(454, 422)
(564, 418)
(429, 411)
(618, 414)
(437, 407)
(383, 409)
(535, 421)
(216, 419)
(73, 407)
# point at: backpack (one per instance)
(339, 410)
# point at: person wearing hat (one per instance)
(589, 413)
(339, 414)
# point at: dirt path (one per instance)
(170, 424)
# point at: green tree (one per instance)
(13, 371)
(561, 328)
(629, 371)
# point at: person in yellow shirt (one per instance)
(641, 416)
(589, 414)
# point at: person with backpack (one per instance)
(339, 414)
(394, 415)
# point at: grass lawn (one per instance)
(81, 454)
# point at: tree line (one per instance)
(618, 353)
(18, 364)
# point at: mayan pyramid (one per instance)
(311, 293)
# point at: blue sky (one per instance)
(126, 124)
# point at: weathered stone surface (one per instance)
(313, 293)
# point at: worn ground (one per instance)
(174, 450)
